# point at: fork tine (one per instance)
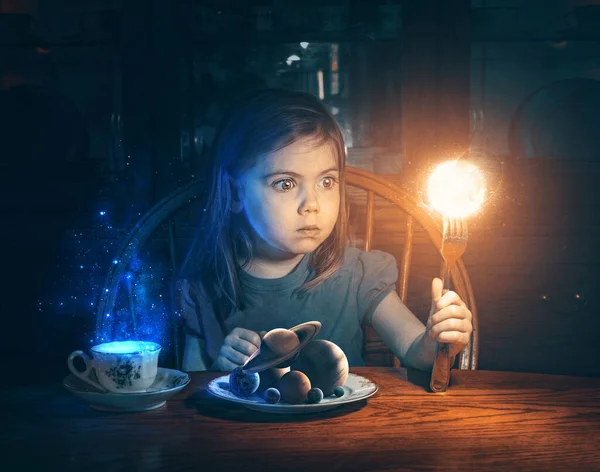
(455, 228)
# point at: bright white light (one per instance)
(456, 189)
(126, 347)
(292, 58)
(304, 44)
(321, 85)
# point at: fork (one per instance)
(454, 245)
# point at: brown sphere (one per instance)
(269, 377)
(294, 387)
(281, 341)
(324, 363)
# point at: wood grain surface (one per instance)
(486, 421)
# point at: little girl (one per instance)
(272, 252)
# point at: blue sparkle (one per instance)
(106, 290)
(102, 213)
(108, 316)
(81, 267)
(115, 261)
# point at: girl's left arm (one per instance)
(413, 343)
(403, 333)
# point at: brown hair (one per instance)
(262, 123)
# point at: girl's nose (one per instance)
(310, 203)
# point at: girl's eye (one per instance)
(328, 182)
(284, 185)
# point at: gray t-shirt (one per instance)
(342, 303)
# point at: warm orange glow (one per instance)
(456, 189)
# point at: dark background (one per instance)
(108, 106)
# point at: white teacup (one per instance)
(120, 366)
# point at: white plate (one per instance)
(167, 383)
(356, 388)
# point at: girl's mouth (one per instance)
(310, 230)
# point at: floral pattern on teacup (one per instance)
(124, 373)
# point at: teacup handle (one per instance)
(85, 375)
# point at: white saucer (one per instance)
(167, 383)
(356, 388)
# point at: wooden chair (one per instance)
(416, 214)
(358, 182)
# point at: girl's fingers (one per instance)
(453, 337)
(451, 325)
(450, 298)
(234, 356)
(247, 335)
(243, 346)
(238, 346)
(449, 312)
(436, 289)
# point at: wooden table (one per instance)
(486, 421)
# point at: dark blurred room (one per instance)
(108, 111)
(106, 107)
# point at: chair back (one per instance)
(414, 215)
(359, 183)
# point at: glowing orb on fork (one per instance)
(456, 189)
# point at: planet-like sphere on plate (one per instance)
(338, 391)
(294, 387)
(243, 383)
(324, 363)
(269, 377)
(314, 395)
(288, 363)
(272, 395)
(281, 341)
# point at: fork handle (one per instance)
(446, 277)
(440, 375)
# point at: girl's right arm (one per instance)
(194, 348)
(237, 346)
(192, 355)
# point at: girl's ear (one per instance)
(236, 197)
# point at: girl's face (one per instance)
(291, 199)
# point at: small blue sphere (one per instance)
(315, 395)
(338, 391)
(242, 383)
(272, 395)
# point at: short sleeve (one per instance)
(203, 334)
(186, 308)
(377, 274)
